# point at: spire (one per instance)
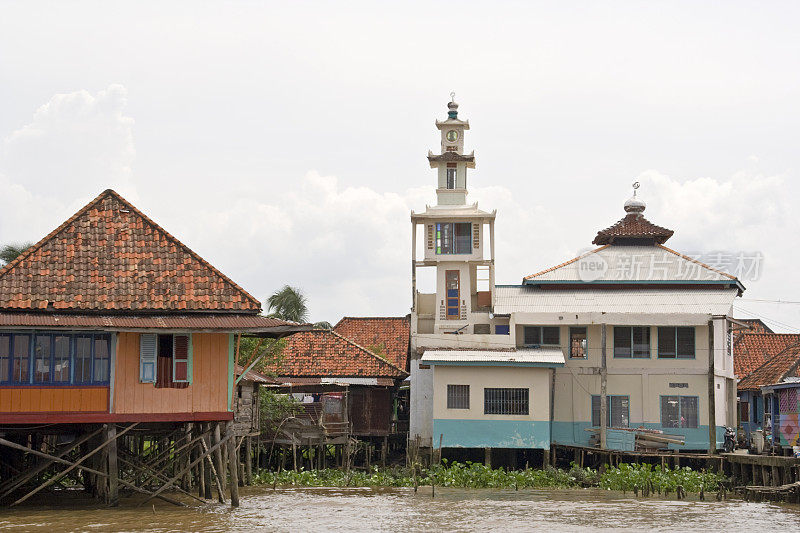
(634, 204)
(452, 106)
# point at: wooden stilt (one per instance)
(233, 465)
(248, 457)
(215, 472)
(219, 463)
(112, 497)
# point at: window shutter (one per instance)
(181, 352)
(430, 236)
(148, 342)
(476, 236)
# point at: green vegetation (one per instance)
(11, 251)
(626, 477)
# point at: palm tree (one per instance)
(288, 304)
(9, 252)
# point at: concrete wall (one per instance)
(421, 400)
(471, 428)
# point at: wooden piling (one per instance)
(233, 464)
(112, 498)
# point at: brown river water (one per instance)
(334, 509)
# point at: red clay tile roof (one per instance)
(324, 353)
(782, 365)
(754, 325)
(386, 336)
(109, 256)
(633, 226)
(751, 350)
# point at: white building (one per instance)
(631, 329)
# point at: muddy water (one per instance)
(403, 510)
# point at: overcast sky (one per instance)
(285, 142)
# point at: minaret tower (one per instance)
(452, 163)
(454, 234)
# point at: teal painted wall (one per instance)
(696, 438)
(491, 433)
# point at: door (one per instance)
(452, 287)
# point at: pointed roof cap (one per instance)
(633, 227)
(109, 256)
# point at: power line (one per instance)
(772, 301)
(772, 320)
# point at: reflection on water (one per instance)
(403, 510)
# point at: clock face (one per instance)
(452, 136)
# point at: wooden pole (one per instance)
(603, 389)
(71, 468)
(712, 404)
(220, 464)
(248, 454)
(217, 478)
(233, 464)
(112, 497)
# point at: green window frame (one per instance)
(676, 342)
(631, 342)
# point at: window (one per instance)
(451, 178)
(542, 335)
(61, 359)
(22, 357)
(5, 358)
(632, 342)
(676, 342)
(679, 411)
(505, 401)
(502, 329)
(453, 238)
(41, 361)
(458, 396)
(618, 411)
(165, 360)
(744, 411)
(83, 359)
(578, 348)
(54, 358)
(453, 296)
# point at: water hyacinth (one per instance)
(626, 477)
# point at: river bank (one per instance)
(644, 478)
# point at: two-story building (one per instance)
(629, 334)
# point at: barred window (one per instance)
(458, 396)
(505, 401)
(679, 411)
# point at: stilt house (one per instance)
(111, 320)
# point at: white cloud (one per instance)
(76, 145)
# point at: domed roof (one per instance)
(633, 228)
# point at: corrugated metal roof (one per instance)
(631, 263)
(525, 299)
(289, 381)
(537, 356)
(252, 375)
(234, 322)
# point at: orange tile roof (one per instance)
(751, 350)
(324, 353)
(774, 370)
(109, 256)
(387, 336)
(633, 226)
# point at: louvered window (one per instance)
(180, 359)
(148, 343)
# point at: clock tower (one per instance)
(452, 163)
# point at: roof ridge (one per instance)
(154, 225)
(61, 227)
(567, 262)
(697, 262)
(770, 360)
(370, 352)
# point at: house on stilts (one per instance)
(117, 352)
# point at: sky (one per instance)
(286, 142)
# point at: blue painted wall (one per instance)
(492, 433)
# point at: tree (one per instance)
(323, 325)
(9, 252)
(288, 304)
